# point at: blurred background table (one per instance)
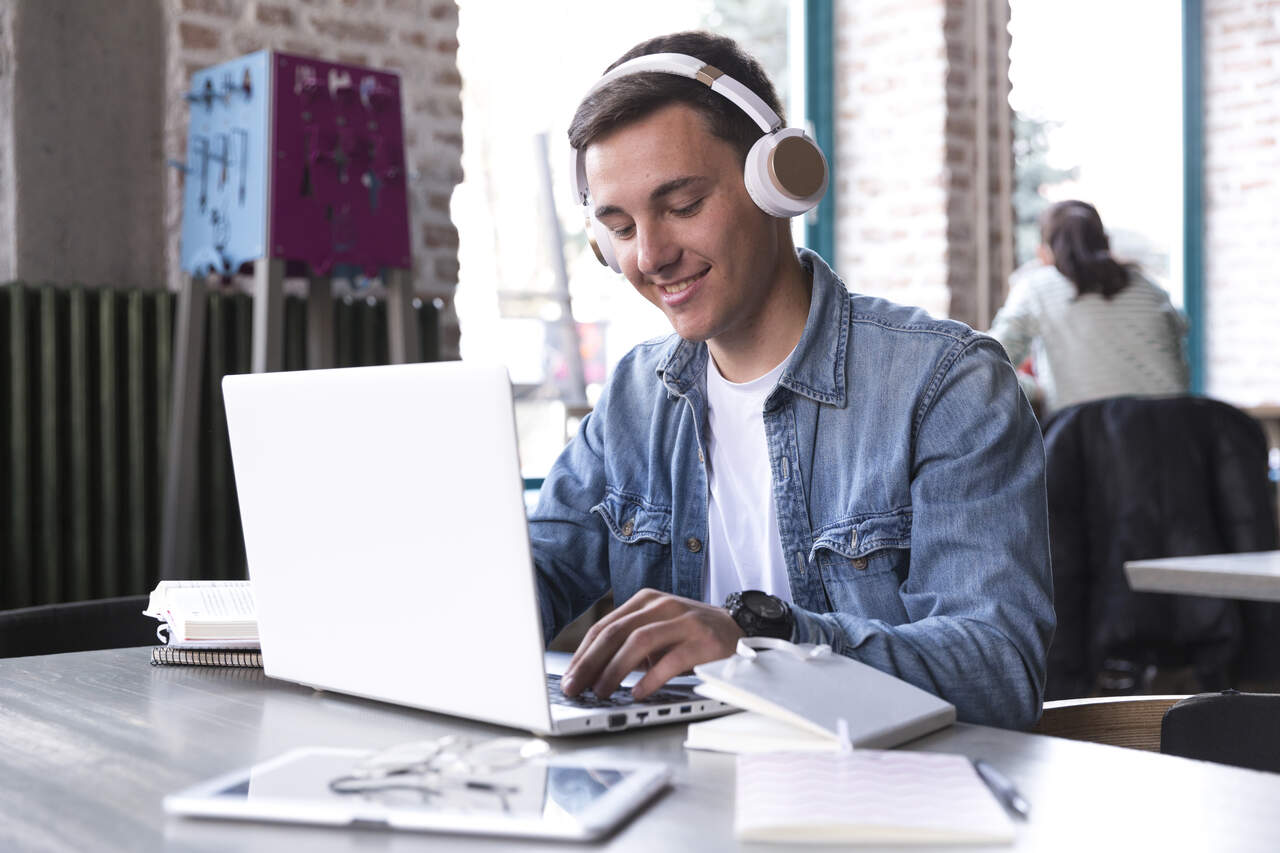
(1254, 575)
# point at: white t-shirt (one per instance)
(744, 550)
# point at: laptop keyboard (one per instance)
(621, 698)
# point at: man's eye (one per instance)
(688, 210)
(623, 231)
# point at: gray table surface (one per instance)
(91, 742)
(1250, 574)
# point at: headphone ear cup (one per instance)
(786, 173)
(602, 243)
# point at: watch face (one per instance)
(764, 606)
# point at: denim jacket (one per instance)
(908, 476)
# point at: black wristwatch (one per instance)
(759, 614)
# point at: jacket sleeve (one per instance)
(978, 592)
(569, 541)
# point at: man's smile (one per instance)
(676, 288)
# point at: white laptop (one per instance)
(384, 523)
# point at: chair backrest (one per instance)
(1130, 721)
(1136, 478)
(105, 623)
(1240, 729)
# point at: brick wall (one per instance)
(908, 109)
(891, 174)
(417, 38)
(979, 157)
(1242, 199)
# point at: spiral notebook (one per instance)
(166, 655)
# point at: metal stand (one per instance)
(268, 315)
(181, 469)
(402, 323)
(320, 343)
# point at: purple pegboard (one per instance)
(338, 188)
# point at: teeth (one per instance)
(680, 286)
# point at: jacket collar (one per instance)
(817, 367)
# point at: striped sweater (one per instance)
(1088, 348)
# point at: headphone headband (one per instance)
(693, 68)
(681, 65)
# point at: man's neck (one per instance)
(753, 352)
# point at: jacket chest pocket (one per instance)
(864, 559)
(639, 543)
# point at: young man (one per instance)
(795, 461)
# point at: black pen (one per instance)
(1004, 790)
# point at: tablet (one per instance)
(558, 798)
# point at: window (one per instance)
(1097, 92)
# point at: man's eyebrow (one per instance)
(663, 189)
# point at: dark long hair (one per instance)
(1081, 250)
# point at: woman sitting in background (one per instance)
(1093, 327)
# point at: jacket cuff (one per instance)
(810, 627)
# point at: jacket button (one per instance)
(860, 563)
(693, 543)
(629, 527)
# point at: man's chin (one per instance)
(692, 335)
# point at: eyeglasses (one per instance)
(433, 767)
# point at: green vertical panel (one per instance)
(110, 506)
(6, 461)
(380, 333)
(369, 329)
(344, 333)
(162, 380)
(213, 518)
(79, 574)
(819, 70)
(51, 587)
(1193, 187)
(428, 331)
(138, 565)
(295, 333)
(243, 363)
(19, 591)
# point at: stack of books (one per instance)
(205, 623)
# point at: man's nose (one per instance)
(655, 249)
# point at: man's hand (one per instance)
(667, 633)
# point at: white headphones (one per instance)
(785, 174)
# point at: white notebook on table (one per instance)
(811, 688)
(866, 796)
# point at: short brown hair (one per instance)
(634, 97)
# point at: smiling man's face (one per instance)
(685, 232)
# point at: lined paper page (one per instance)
(866, 796)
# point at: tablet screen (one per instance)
(549, 798)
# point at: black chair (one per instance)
(106, 623)
(1240, 729)
(1133, 478)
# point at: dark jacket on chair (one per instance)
(1134, 478)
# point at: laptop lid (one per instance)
(385, 529)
